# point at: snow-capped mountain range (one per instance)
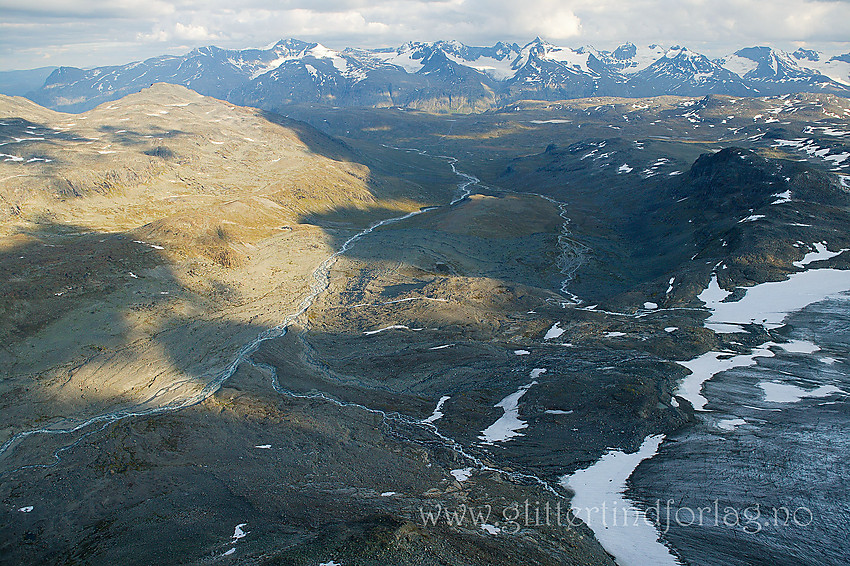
(448, 75)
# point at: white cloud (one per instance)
(193, 33)
(550, 19)
(179, 32)
(155, 36)
(736, 22)
(56, 9)
(87, 32)
(313, 23)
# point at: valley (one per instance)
(233, 335)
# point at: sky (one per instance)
(88, 33)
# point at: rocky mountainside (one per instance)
(448, 75)
(771, 72)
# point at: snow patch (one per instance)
(713, 294)
(730, 424)
(554, 332)
(537, 372)
(461, 474)
(238, 532)
(769, 303)
(599, 490)
(775, 392)
(154, 246)
(392, 327)
(509, 424)
(708, 365)
(782, 197)
(438, 411)
(820, 253)
(800, 347)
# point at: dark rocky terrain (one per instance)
(218, 346)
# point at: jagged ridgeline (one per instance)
(440, 76)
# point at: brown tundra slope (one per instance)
(145, 245)
(132, 235)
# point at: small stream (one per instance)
(212, 383)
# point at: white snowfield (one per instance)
(776, 392)
(708, 365)
(624, 530)
(462, 474)
(714, 293)
(554, 332)
(498, 69)
(837, 161)
(821, 253)
(509, 424)
(438, 411)
(767, 304)
(783, 197)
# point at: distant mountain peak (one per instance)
(625, 51)
(807, 54)
(439, 74)
(677, 51)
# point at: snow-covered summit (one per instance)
(292, 70)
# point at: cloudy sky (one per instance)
(88, 33)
